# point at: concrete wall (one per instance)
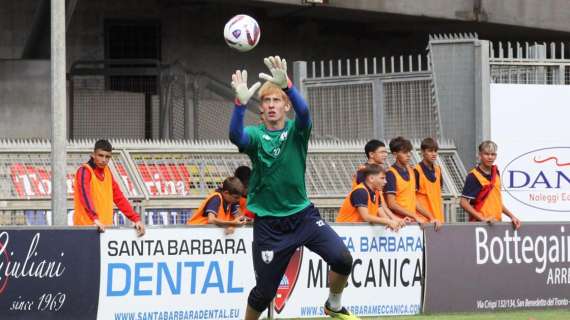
(544, 14)
(15, 24)
(193, 34)
(24, 99)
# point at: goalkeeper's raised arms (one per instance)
(278, 69)
(239, 83)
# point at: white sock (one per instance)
(334, 301)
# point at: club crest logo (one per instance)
(287, 284)
(267, 256)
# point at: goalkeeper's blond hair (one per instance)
(269, 88)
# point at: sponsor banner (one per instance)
(385, 279)
(170, 179)
(179, 273)
(528, 123)
(474, 267)
(49, 274)
(34, 181)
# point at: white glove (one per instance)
(278, 69)
(239, 83)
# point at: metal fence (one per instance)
(529, 63)
(143, 99)
(112, 98)
(167, 180)
(364, 98)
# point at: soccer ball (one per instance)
(242, 33)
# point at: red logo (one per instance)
(160, 179)
(289, 280)
(34, 181)
(556, 161)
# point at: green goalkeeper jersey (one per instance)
(277, 183)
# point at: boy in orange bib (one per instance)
(95, 191)
(400, 190)
(221, 207)
(429, 181)
(363, 203)
(376, 153)
(481, 196)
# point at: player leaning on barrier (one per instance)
(221, 207)
(481, 196)
(376, 153)
(363, 203)
(285, 218)
(95, 191)
(400, 190)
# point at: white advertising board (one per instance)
(385, 279)
(175, 273)
(530, 123)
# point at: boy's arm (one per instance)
(471, 188)
(212, 207)
(83, 181)
(515, 221)
(366, 216)
(123, 204)
(213, 219)
(126, 208)
(424, 212)
(395, 207)
(384, 210)
(466, 205)
(428, 215)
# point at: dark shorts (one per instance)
(275, 240)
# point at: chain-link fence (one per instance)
(528, 74)
(361, 99)
(408, 109)
(112, 98)
(196, 105)
(343, 111)
(166, 181)
(529, 63)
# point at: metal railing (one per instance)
(363, 98)
(166, 180)
(529, 63)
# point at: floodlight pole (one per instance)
(58, 113)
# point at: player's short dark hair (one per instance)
(429, 144)
(233, 186)
(243, 173)
(400, 144)
(372, 146)
(104, 145)
(371, 169)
